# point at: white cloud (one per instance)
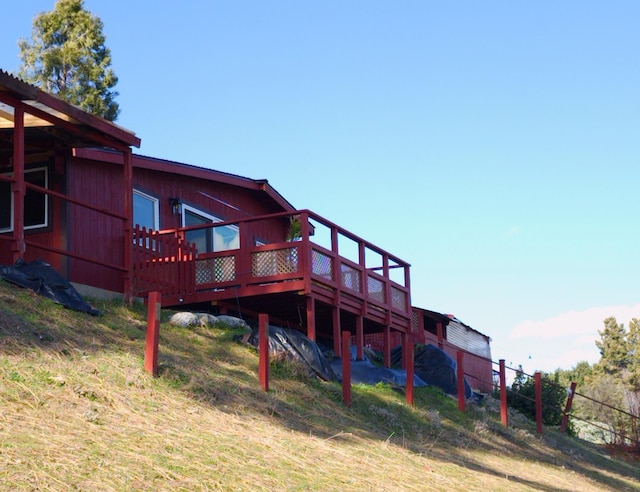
(564, 340)
(571, 323)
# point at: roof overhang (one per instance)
(49, 119)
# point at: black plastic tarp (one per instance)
(435, 367)
(295, 345)
(43, 279)
(366, 372)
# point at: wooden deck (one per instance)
(326, 272)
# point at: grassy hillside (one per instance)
(78, 412)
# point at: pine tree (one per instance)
(613, 346)
(67, 57)
(633, 343)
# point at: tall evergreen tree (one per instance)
(67, 57)
(633, 342)
(613, 346)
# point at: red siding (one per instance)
(228, 202)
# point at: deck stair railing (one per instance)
(163, 262)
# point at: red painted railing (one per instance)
(163, 263)
(315, 261)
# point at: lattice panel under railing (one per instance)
(274, 262)
(398, 299)
(350, 278)
(211, 270)
(375, 289)
(415, 321)
(321, 264)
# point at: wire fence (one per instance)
(550, 403)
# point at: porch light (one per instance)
(176, 205)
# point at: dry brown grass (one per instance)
(77, 412)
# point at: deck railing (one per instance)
(322, 257)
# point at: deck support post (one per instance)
(335, 315)
(360, 337)
(311, 318)
(440, 335)
(386, 346)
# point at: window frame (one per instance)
(156, 208)
(210, 232)
(47, 208)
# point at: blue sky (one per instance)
(493, 145)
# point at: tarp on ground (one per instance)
(295, 345)
(435, 367)
(366, 372)
(44, 280)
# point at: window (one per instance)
(145, 210)
(221, 238)
(36, 203)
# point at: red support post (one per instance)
(360, 337)
(386, 346)
(335, 319)
(538, 389)
(403, 347)
(504, 414)
(311, 318)
(567, 408)
(18, 187)
(462, 400)
(154, 304)
(346, 368)
(440, 335)
(263, 350)
(128, 226)
(410, 371)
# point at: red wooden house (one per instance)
(72, 193)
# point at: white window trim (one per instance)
(46, 202)
(156, 207)
(206, 215)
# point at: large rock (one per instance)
(186, 319)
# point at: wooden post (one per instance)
(346, 368)
(567, 408)
(154, 304)
(462, 400)
(403, 350)
(440, 335)
(335, 318)
(538, 383)
(263, 350)
(360, 337)
(504, 414)
(127, 228)
(311, 318)
(410, 371)
(18, 187)
(386, 346)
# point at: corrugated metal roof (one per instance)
(72, 124)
